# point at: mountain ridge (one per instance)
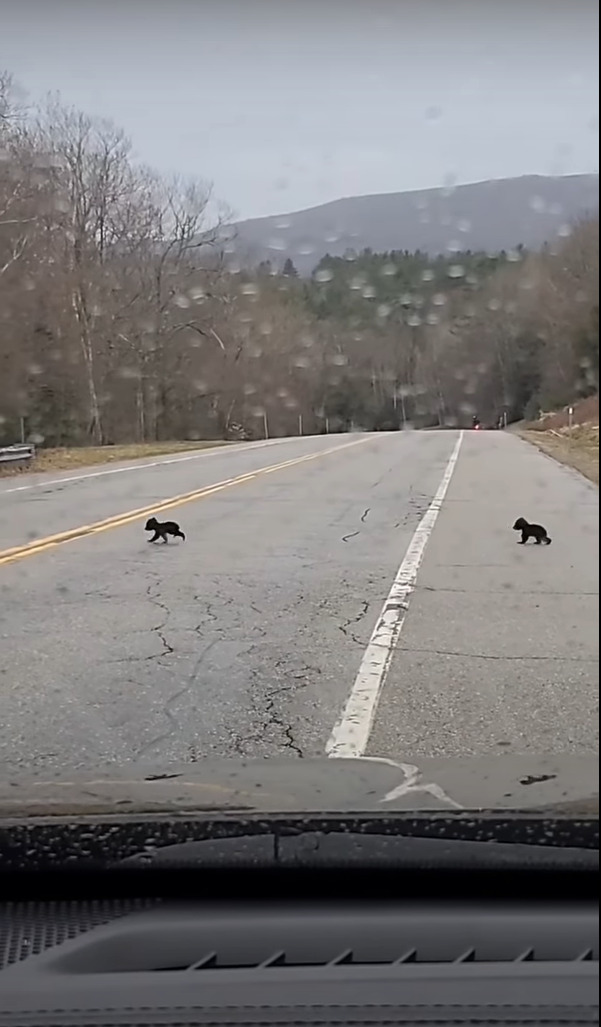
(491, 215)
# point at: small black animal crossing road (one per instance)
(535, 531)
(163, 529)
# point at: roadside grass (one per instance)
(578, 449)
(91, 456)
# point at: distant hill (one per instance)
(492, 215)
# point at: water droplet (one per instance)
(494, 303)
(200, 386)
(128, 373)
(301, 361)
(197, 294)
(383, 310)
(439, 299)
(537, 204)
(369, 292)
(388, 270)
(305, 249)
(265, 328)
(456, 271)
(249, 289)
(414, 320)
(324, 275)
(277, 244)
(255, 352)
(564, 231)
(357, 283)
(432, 318)
(283, 225)
(428, 275)
(339, 360)
(258, 412)
(464, 225)
(249, 389)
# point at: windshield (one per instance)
(299, 419)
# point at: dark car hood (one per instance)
(562, 785)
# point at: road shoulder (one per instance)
(499, 650)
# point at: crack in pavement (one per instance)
(168, 649)
(175, 726)
(159, 628)
(362, 518)
(500, 591)
(213, 623)
(485, 656)
(264, 708)
(355, 620)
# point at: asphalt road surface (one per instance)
(346, 594)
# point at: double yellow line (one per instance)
(41, 545)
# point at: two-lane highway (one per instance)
(349, 593)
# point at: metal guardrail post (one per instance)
(21, 453)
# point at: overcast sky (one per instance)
(285, 104)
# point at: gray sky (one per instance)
(285, 104)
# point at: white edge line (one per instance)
(351, 732)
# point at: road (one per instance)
(255, 636)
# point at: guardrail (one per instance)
(21, 453)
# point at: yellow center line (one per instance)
(41, 545)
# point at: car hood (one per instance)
(561, 785)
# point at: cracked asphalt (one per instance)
(245, 640)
